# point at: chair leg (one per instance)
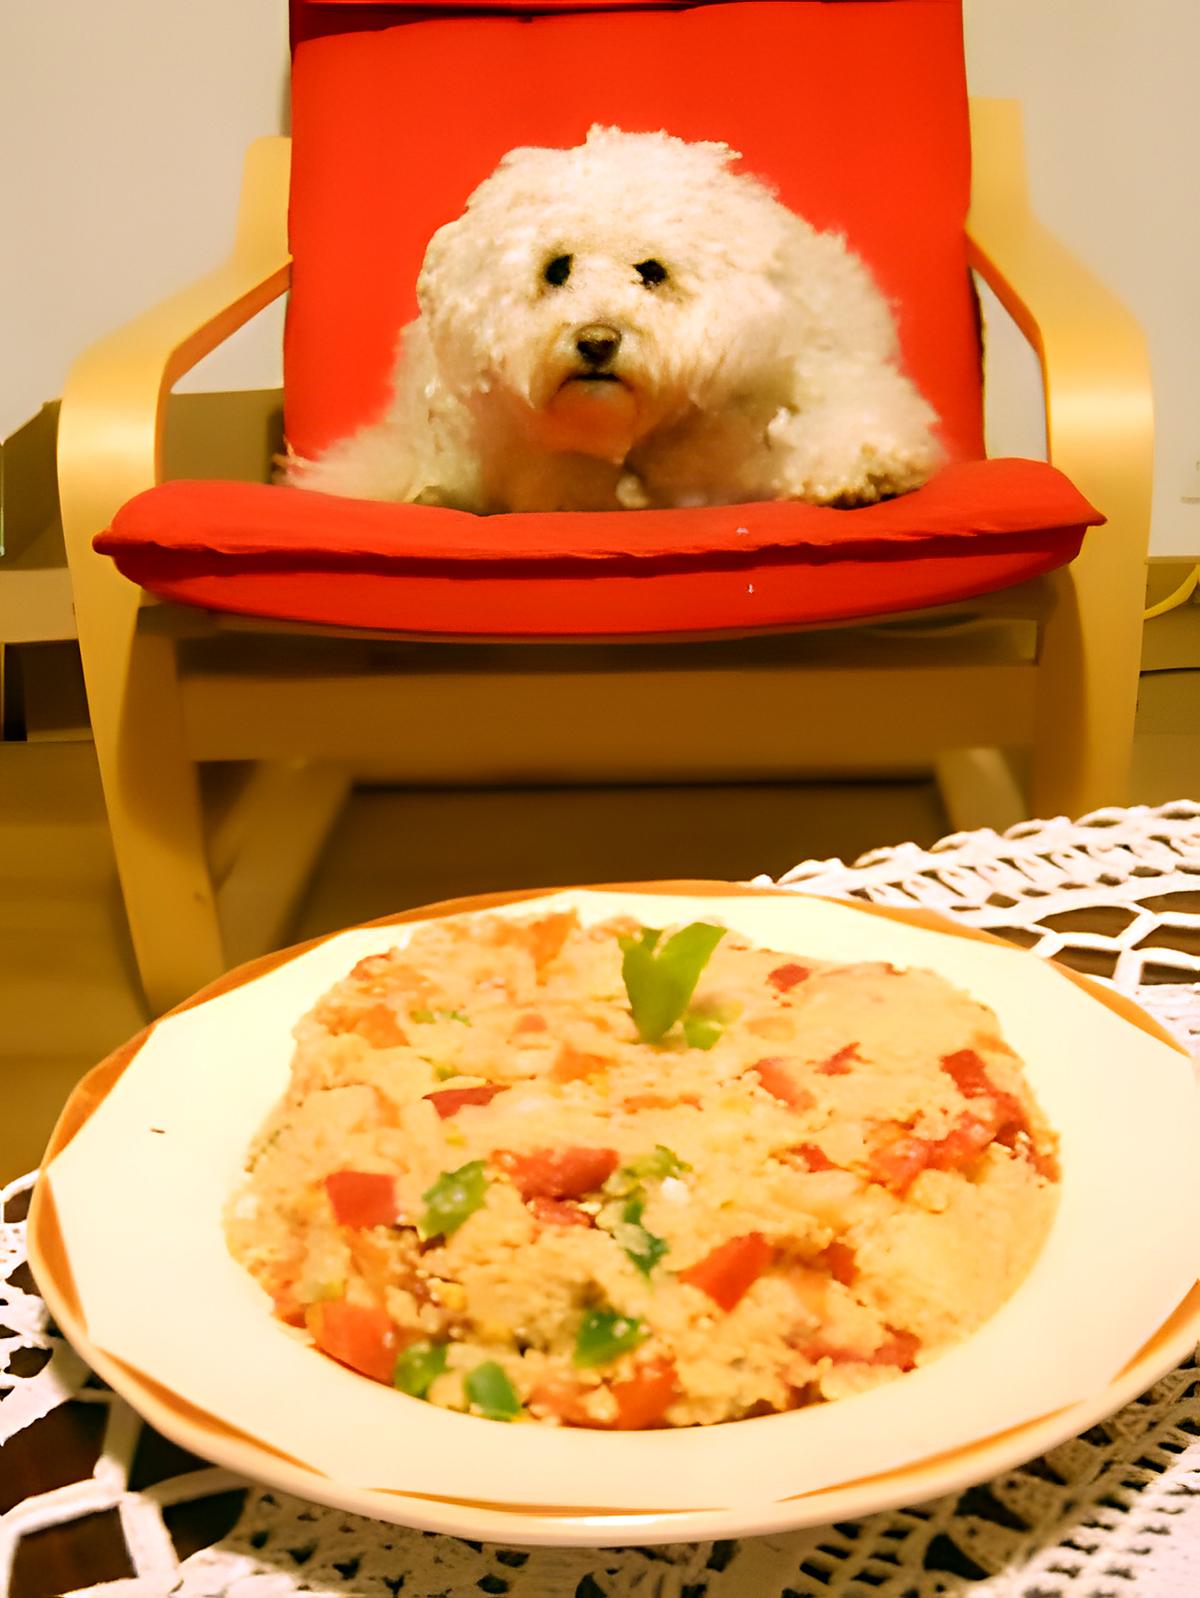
(152, 795)
(1088, 666)
(265, 853)
(186, 926)
(979, 788)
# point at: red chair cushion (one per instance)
(299, 556)
(857, 112)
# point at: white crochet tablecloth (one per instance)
(1113, 1514)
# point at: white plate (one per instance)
(1123, 1100)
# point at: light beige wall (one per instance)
(1112, 120)
(122, 125)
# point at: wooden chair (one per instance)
(227, 744)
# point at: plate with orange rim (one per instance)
(256, 1443)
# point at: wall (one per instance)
(1112, 127)
(123, 124)
(130, 117)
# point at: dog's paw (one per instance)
(829, 465)
(874, 475)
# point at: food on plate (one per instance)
(621, 1177)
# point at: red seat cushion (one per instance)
(290, 554)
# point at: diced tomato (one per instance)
(963, 1144)
(643, 1400)
(288, 1308)
(531, 1021)
(449, 1101)
(387, 974)
(378, 1025)
(557, 1173)
(1010, 1126)
(558, 1212)
(542, 938)
(785, 977)
(840, 1260)
(968, 1073)
(840, 1063)
(565, 1400)
(657, 1101)
(356, 1335)
(730, 1270)
(572, 1065)
(547, 936)
(810, 1158)
(782, 1085)
(898, 1348)
(901, 1349)
(362, 1198)
(899, 1159)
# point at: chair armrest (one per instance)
(1100, 431)
(1095, 368)
(110, 431)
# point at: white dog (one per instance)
(633, 323)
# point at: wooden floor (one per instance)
(67, 992)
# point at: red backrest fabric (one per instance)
(856, 111)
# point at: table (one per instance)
(93, 1502)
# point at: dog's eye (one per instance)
(558, 270)
(652, 273)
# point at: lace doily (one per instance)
(1112, 1514)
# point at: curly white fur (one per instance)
(633, 323)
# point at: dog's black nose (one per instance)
(597, 344)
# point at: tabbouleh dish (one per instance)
(613, 1177)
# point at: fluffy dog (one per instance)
(634, 323)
